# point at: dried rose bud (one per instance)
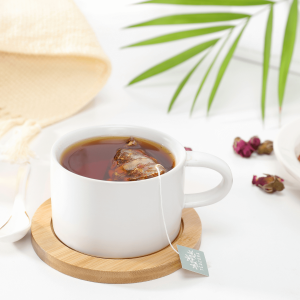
(254, 142)
(242, 148)
(265, 148)
(188, 149)
(269, 184)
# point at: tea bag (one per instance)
(131, 164)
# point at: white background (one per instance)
(250, 239)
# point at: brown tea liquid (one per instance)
(93, 157)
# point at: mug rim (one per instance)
(56, 144)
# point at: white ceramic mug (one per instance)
(124, 219)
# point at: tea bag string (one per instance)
(162, 210)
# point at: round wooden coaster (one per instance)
(68, 261)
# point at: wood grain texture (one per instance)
(73, 263)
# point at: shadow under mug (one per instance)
(114, 219)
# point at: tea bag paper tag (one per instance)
(193, 260)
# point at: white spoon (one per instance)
(19, 223)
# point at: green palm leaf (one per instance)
(192, 18)
(173, 61)
(223, 67)
(267, 50)
(287, 49)
(180, 35)
(210, 2)
(207, 72)
(183, 82)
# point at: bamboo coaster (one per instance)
(68, 261)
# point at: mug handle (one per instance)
(204, 160)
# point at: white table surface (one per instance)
(250, 239)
